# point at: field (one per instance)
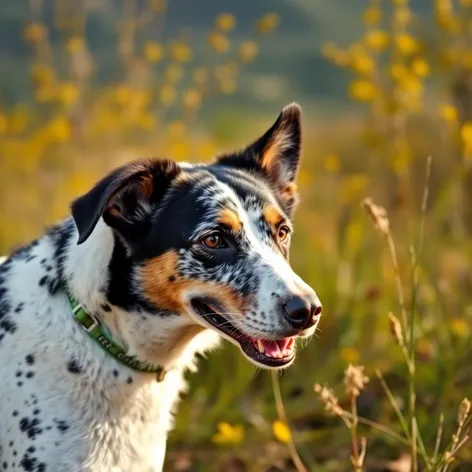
(383, 385)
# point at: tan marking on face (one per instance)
(165, 288)
(229, 218)
(272, 215)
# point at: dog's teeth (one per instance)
(260, 346)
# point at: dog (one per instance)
(102, 315)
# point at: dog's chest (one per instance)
(83, 427)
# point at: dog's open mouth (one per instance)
(270, 353)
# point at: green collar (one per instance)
(98, 332)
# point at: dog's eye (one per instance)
(213, 241)
(283, 233)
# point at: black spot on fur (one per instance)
(28, 463)
(43, 280)
(18, 373)
(29, 374)
(31, 449)
(30, 427)
(115, 373)
(19, 308)
(106, 308)
(30, 359)
(73, 367)
(36, 411)
(172, 278)
(15, 413)
(129, 380)
(61, 425)
(19, 384)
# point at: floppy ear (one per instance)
(276, 154)
(124, 199)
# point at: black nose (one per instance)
(301, 312)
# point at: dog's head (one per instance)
(211, 242)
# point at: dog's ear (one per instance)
(125, 199)
(276, 154)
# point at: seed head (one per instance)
(396, 328)
(377, 214)
(464, 410)
(329, 399)
(355, 380)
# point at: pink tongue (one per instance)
(274, 348)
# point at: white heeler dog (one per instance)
(100, 317)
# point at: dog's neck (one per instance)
(88, 270)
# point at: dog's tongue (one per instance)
(278, 349)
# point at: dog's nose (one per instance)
(301, 312)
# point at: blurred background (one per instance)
(384, 84)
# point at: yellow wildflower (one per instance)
(420, 67)
(228, 434)
(123, 94)
(362, 90)
(67, 93)
(35, 32)
(402, 15)
(42, 75)
(460, 327)
(75, 44)
(44, 94)
(192, 98)
(281, 431)
(362, 63)
(3, 123)
(466, 134)
(406, 44)
(372, 15)
(399, 72)
(228, 86)
(267, 23)
(448, 112)
(339, 56)
(59, 130)
(218, 41)
(180, 51)
(349, 355)
(412, 85)
(153, 51)
(146, 121)
(378, 40)
(331, 163)
(174, 72)
(247, 51)
(225, 22)
(167, 95)
(18, 120)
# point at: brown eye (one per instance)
(213, 241)
(283, 233)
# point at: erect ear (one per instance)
(125, 198)
(276, 154)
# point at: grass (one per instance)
(391, 359)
